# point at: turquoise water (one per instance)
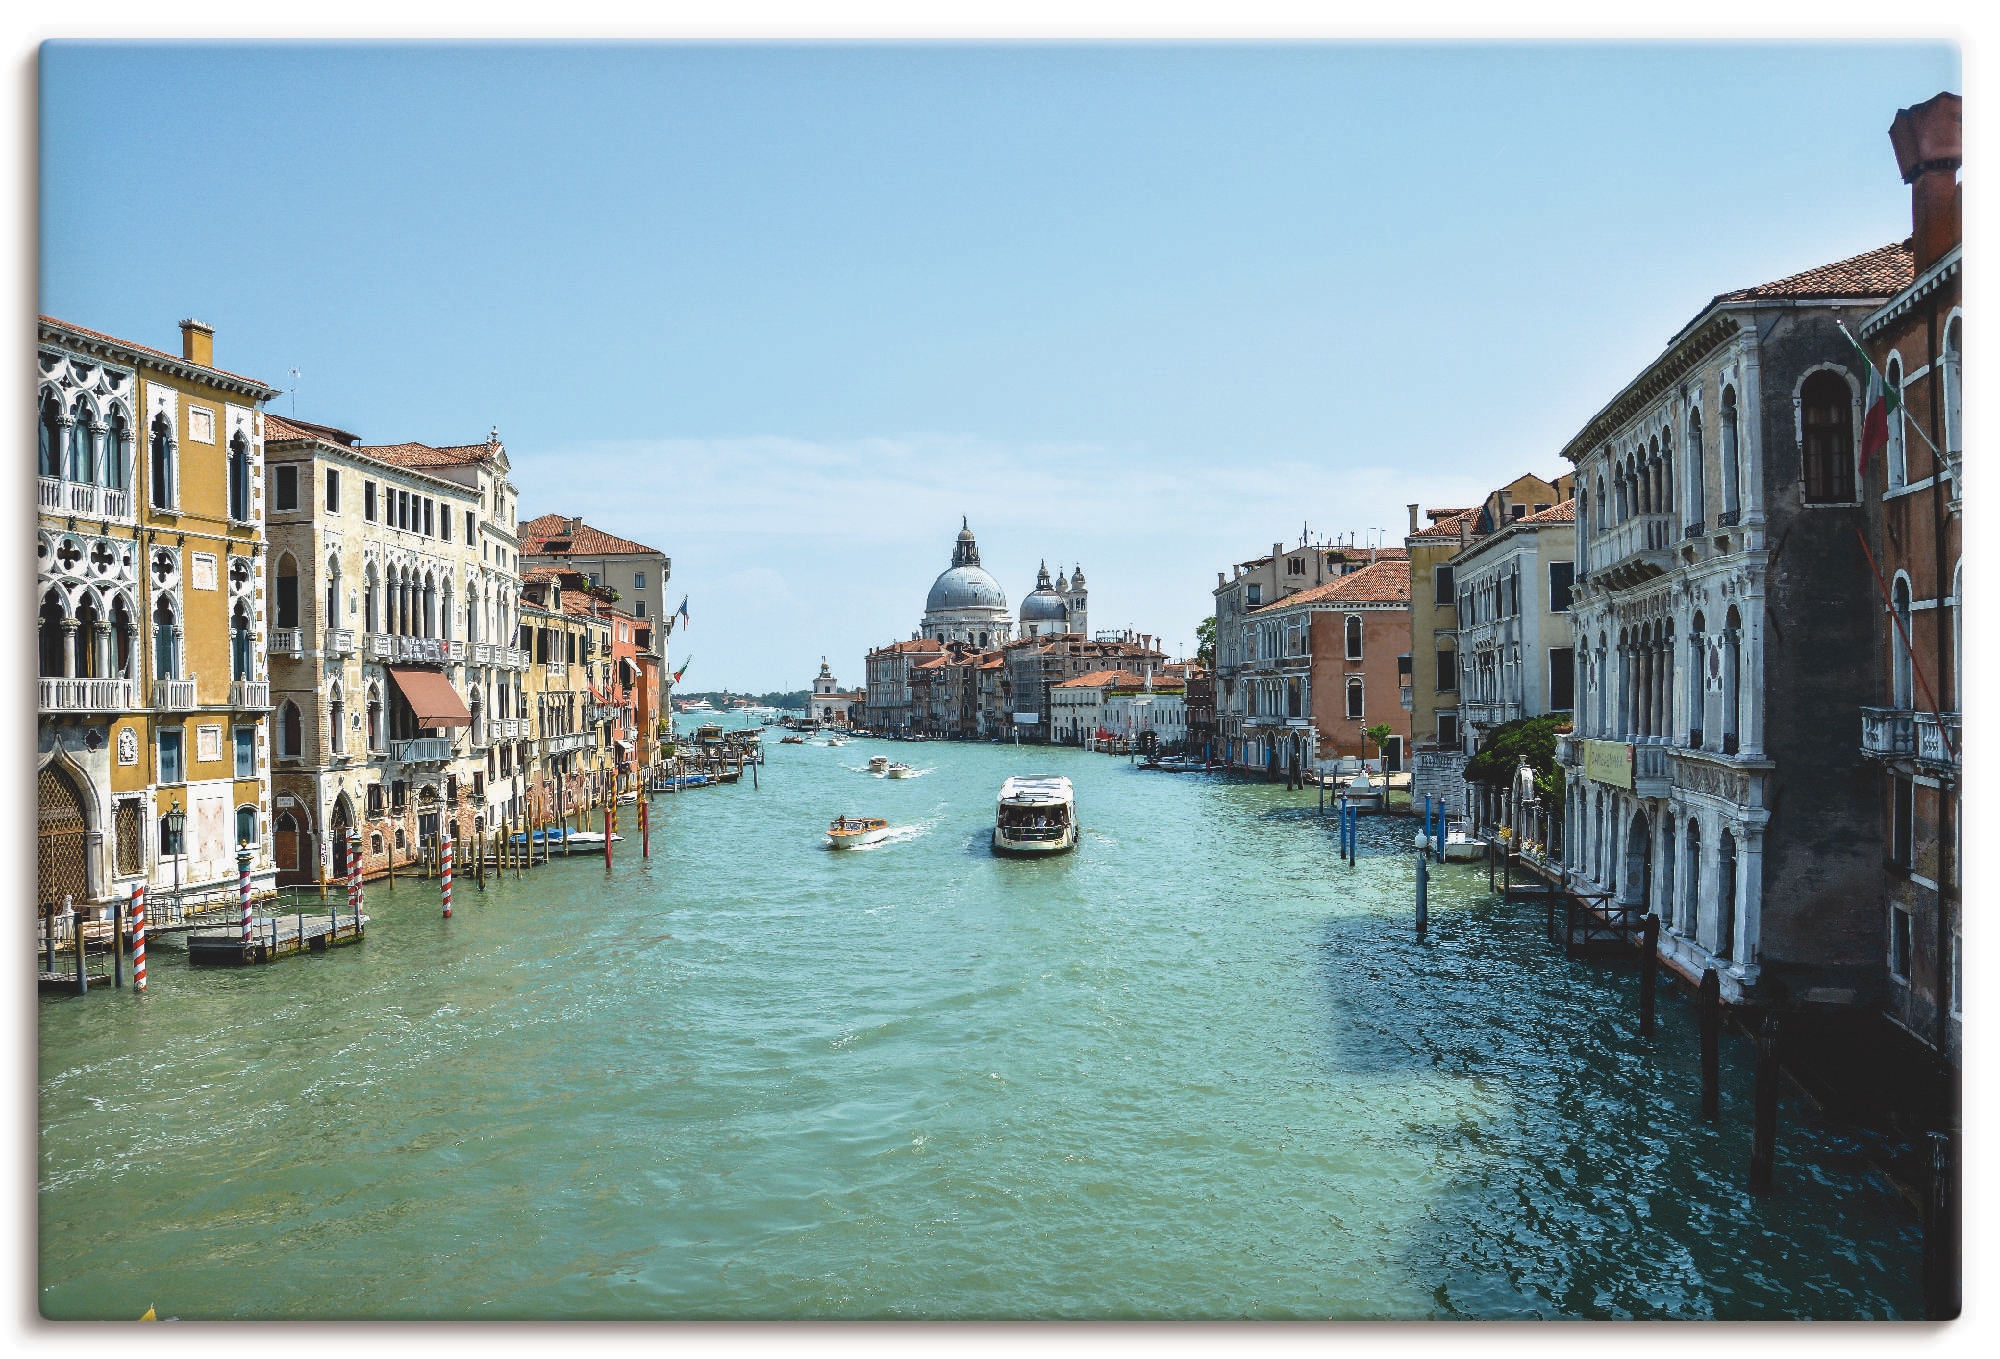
(1198, 1068)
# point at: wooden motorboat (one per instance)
(791, 740)
(851, 832)
(899, 770)
(877, 763)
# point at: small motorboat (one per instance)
(791, 740)
(877, 763)
(1362, 794)
(592, 837)
(1460, 847)
(899, 770)
(851, 832)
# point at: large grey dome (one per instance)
(965, 587)
(1043, 605)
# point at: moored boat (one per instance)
(1036, 814)
(851, 832)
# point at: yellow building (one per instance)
(151, 603)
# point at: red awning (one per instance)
(431, 697)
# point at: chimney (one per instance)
(1413, 518)
(1220, 580)
(198, 342)
(1277, 551)
(1929, 139)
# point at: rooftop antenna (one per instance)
(296, 375)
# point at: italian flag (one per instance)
(1877, 407)
(683, 670)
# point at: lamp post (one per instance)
(176, 819)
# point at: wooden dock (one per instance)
(274, 937)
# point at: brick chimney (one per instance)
(198, 342)
(1413, 518)
(1929, 139)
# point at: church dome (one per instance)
(1044, 605)
(965, 587)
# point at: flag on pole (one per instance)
(683, 612)
(1881, 402)
(683, 670)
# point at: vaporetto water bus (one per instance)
(1036, 815)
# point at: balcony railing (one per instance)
(568, 741)
(1489, 714)
(379, 646)
(1937, 738)
(86, 695)
(81, 498)
(174, 695)
(512, 657)
(1888, 732)
(1568, 752)
(554, 669)
(482, 653)
(421, 750)
(339, 642)
(1632, 551)
(424, 650)
(1651, 775)
(250, 694)
(289, 640)
(454, 652)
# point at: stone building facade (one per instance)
(1516, 655)
(1721, 602)
(151, 576)
(637, 575)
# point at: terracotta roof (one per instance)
(148, 349)
(277, 429)
(582, 540)
(1385, 582)
(1099, 678)
(422, 457)
(1564, 513)
(1884, 271)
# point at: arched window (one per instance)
(1732, 678)
(331, 618)
(1957, 697)
(52, 635)
(161, 465)
(82, 457)
(370, 602)
(1669, 901)
(1606, 512)
(430, 628)
(285, 599)
(1649, 478)
(1899, 461)
(1354, 696)
(1353, 637)
(336, 721)
(239, 642)
(374, 719)
(117, 436)
(50, 426)
(291, 731)
(1725, 898)
(1697, 664)
(166, 643)
(246, 825)
(1900, 662)
(1689, 913)
(446, 624)
(1624, 498)
(1826, 415)
(1731, 469)
(1951, 369)
(123, 633)
(1667, 468)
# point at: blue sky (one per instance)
(787, 312)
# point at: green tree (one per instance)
(1379, 734)
(1530, 738)
(1204, 636)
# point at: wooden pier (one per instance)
(273, 937)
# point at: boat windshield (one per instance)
(1044, 817)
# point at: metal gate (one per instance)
(59, 840)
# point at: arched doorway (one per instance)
(1725, 898)
(285, 842)
(1638, 861)
(61, 838)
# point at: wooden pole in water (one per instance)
(607, 837)
(1941, 1229)
(1711, 1040)
(1423, 894)
(645, 828)
(1764, 1124)
(76, 929)
(1649, 970)
(117, 944)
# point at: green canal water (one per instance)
(1198, 1068)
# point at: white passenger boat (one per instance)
(1036, 815)
(899, 770)
(877, 763)
(851, 832)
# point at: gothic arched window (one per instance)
(50, 427)
(161, 463)
(285, 599)
(1826, 414)
(239, 478)
(82, 457)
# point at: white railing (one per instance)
(428, 649)
(421, 750)
(249, 693)
(174, 695)
(1489, 714)
(1888, 731)
(482, 653)
(1566, 748)
(286, 639)
(1649, 762)
(568, 741)
(454, 652)
(514, 659)
(339, 642)
(554, 669)
(86, 695)
(1932, 736)
(1640, 534)
(82, 498)
(380, 646)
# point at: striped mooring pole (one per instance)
(444, 874)
(243, 892)
(139, 936)
(354, 879)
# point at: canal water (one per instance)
(1198, 1068)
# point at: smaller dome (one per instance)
(1062, 583)
(1043, 604)
(1076, 579)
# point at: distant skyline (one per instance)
(788, 312)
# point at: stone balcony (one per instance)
(1634, 551)
(339, 642)
(87, 695)
(1938, 742)
(286, 641)
(250, 695)
(84, 500)
(174, 695)
(1492, 714)
(569, 741)
(1888, 733)
(421, 750)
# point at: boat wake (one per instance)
(902, 835)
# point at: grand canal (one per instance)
(1199, 1068)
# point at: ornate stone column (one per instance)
(1749, 904)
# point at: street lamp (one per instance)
(176, 819)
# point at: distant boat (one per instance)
(791, 740)
(899, 770)
(592, 837)
(877, 763)
(851, 832)
(1036, 815)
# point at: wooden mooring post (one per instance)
(1711, 1045)
(76, 931)
(117, 944)
(1764, 1121)
(1649, 973)
(1942, 1226)
(1423, 894)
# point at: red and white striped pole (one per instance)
(444, 867)
(139, 936)
(243, 891)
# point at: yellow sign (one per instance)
(1608, 762)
